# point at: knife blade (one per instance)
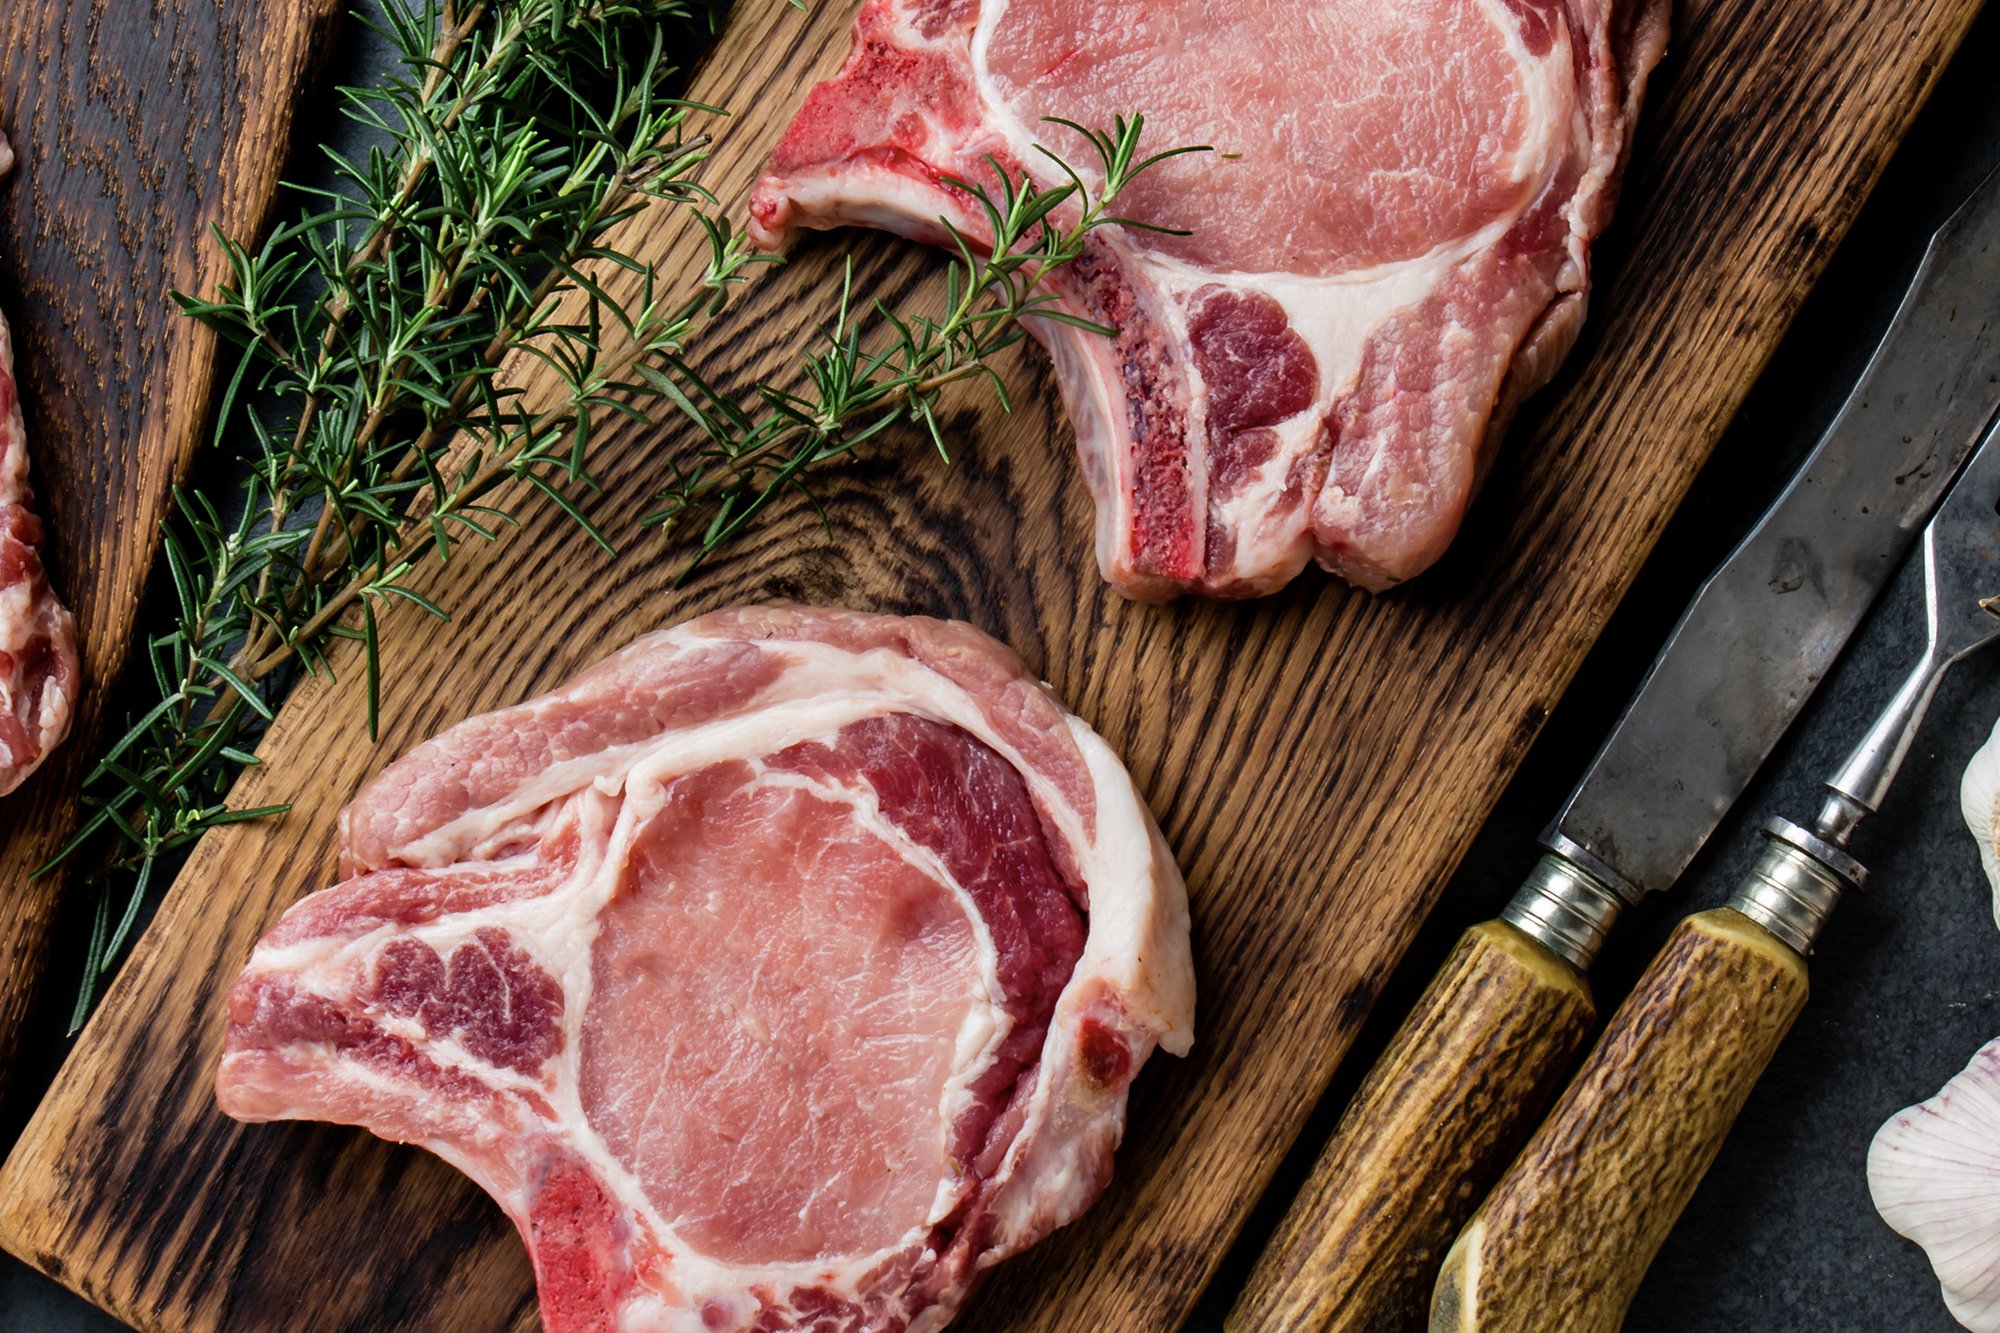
(1782, 606)
(1568, 1233)
(1484, 1050)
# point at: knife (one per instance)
(1568, 1233)
(1470, 1071)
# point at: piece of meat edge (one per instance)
(1249, 418)
(39, 675)
(912, 880)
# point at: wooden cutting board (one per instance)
(1318, 759)
(137, 128)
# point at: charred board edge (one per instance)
(128, 156)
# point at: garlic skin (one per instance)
(1979, 802)
(1934, 1173)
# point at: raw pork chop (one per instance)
(38, 672)
(784, 970)
(1392, 253)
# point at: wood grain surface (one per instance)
(1436, 1121)
(137, 128)
(1318, 759)
(1569, 1232)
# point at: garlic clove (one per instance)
(1979, 802)
(1934, 1173)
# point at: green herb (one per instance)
(366, 406)
(857, 387)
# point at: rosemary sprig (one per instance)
(858, 385)
(366, 409)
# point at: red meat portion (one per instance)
(1388, 250)
(785, 970)
(38, 669)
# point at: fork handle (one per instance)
(1569, 1232)
(1436, 1120)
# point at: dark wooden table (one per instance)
(1782, 1237)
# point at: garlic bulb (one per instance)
(1979, 801)
(1934, 1172)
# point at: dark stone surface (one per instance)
(1781, 1237)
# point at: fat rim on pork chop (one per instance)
(786, 969)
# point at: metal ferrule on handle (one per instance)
(1795, 884)
(1565, 908)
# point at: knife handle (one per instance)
(1436, 1119)
(1565, 1238)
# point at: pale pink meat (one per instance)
(785, 970)
(1426, 115)
(842, 968)
(38, 668)
(1388, 250)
